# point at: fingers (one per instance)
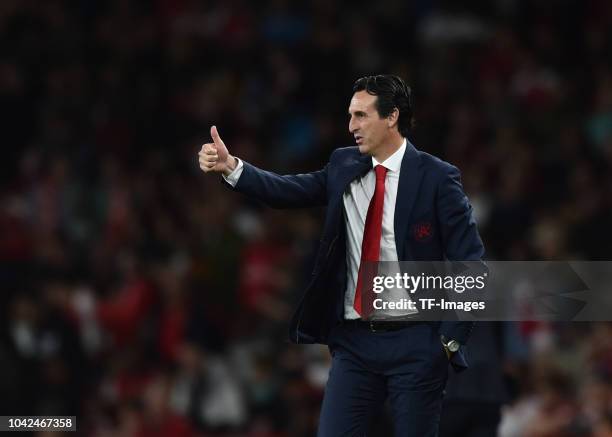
(209, 149)
(208, 157)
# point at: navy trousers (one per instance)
(408, 367)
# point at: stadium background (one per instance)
(145, 298)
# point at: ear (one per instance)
(393, 118)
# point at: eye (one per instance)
(358, 115)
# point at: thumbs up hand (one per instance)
(214, 156)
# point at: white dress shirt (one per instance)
(356, 200)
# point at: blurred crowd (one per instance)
(148, 300)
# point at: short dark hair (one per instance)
(392, 92)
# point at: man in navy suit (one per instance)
(386, 201)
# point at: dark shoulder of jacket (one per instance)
(436, 165)
(342, 153)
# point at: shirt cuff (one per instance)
(233, 177)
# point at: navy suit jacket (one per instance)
(429, 192)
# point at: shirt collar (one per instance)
(393, 162)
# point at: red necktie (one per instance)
(370, 245)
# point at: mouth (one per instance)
(359, 140)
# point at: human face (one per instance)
(370, 131)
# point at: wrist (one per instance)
(450, 345)
(230, 166)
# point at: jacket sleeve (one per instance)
(461, 242)
(457, 225)
(283, 191)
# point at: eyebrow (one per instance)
(357, 113)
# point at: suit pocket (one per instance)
(438, 349)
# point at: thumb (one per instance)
(215, 137)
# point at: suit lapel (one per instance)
(410, 179)
(354, 167)
(357, 167)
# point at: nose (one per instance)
(352, 125)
